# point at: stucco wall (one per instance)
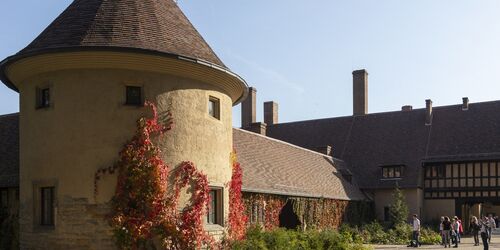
(383, 198)
(434, 209)
(85, 128)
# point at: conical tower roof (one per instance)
(154, 25)
(156, 28)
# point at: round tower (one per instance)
(82, 83)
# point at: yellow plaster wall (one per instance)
(383, 198)
(435, 208)
(87, 125)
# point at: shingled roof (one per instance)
(368, 142)
(153, 25)
(276, 167)
(9, 150)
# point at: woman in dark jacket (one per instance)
(474, 227)
(446, 231)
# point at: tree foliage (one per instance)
(398, 211)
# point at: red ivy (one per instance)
(142, 210)
(237, 218)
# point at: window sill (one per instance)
(391, 179)
(40, 228)
(213, 227)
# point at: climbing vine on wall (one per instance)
(237, 218)
(313, 213)
(264, 209)
(144, 214)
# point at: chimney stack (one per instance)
(360, 92)
(465, 103)
(407, 108)
(270, 113)
(428, 112)
(258, 127)
(248, 109)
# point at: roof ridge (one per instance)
(287, 143)
(384, 112)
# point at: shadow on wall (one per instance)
(288, 218)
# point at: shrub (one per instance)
(289, 239)
(375, 233)
(429, 236)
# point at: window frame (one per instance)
(219, 207)
(216, 108)
(44, 97)
(387, 213)
(129, 102)
(49, 202)
(38, 186)
(392, 172)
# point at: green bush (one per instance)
(375, 233)
(429, 236)
(281, 239)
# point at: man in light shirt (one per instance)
(492, 225)
(416, 230)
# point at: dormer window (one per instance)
(392, 172)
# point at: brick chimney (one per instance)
(360, 92)
(465, 103)
(407, 108)
(248, 109)
(428, 112)
(258, 127)
(270, 113)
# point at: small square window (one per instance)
(43, 98)
(214, 107)
(214, 211)
(133, 96)
(47, 206)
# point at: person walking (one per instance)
(460, 229)
(484, 232)
(441, 231)
(416, 230)
(446, 231)
(491, 225)
(454, 232)
(475, 228)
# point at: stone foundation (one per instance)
(79, 225)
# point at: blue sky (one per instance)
(301, 53)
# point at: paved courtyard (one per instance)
(467, 243)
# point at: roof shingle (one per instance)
(277, 167)
(155, 25)
(370, 141)
(9, 150)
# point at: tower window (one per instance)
(43, 98)
(47, 206)
(133, 96)
(214, 107)
(214, 211)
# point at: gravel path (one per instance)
(467, 244)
